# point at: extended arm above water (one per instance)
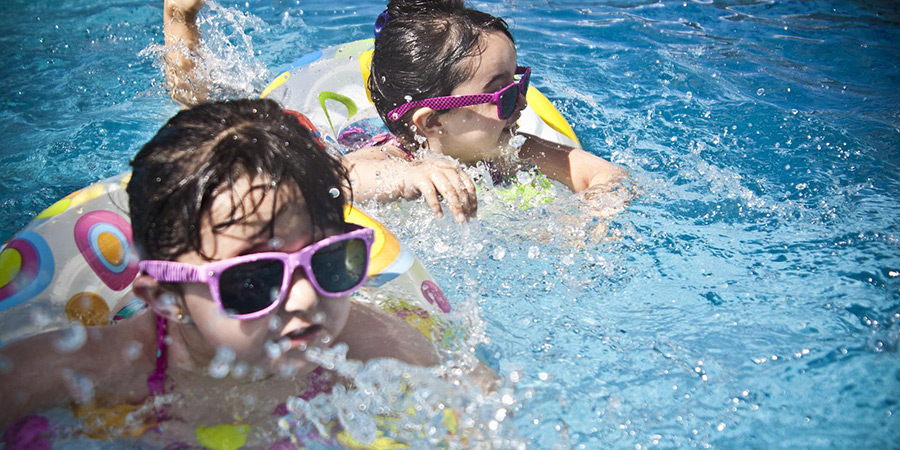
(182, 37)
(577, 169)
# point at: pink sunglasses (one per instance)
(251, 286)
(507, 99)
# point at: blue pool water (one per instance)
(749, 295)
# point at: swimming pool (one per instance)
(748, 296)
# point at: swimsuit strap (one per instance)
(496, 176)
(388, 138)
(157, 380)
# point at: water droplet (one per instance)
(360, 426)
(71, 339)
(498, 253)
(334, 192)
(533, 252)
(275, 323)
(40, 317)
(760, 91)
(132, 351)
(222, 362)
(273, 349)
(517, 141)
(80, 386)
(240, 370)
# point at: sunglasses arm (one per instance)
(173, 272)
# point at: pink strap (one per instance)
(157, 380)
(385, 139)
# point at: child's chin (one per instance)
(292, 367)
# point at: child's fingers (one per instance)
(469, 190)
(427, 190)
(448, 190)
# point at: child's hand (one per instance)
(441, 178)
(189, 7)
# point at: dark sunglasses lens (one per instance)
(340, 266)
(251, 287)
(508, 102)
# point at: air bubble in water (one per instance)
(80, 386)
(275, 323)
(359, 425)
(168, 303)
(273, 349)
(524, 177)
(760, 91)
(276, 243)
(71, 339)
(222, 362)
(239, 370)
(40, 317)
(517, 141)
(132, 351)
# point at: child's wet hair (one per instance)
(202, 152)
(418, 54)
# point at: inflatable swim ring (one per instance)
(329, 86)
(75, 263)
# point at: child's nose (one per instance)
(301, 296)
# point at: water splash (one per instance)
(226, 60)
(71, 339)
(221, 363)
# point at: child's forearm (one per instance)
(577, 169)
(182, 37)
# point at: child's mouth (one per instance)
(300, 339)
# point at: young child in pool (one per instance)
(445, 80)
(426, 51)
(383, 180)
(215, 198)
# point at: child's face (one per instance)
(302, 319)
(475, 133)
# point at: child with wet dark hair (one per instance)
(445, 80)
(238, 218)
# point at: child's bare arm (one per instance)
(182, 37)
(371, 334)
(577, 169)
(41, 371)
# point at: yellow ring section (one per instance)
(548, 112)
(365, 67)
(10, 265)
(386, 247)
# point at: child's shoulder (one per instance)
(371, 333)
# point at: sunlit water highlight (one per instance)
(747, 295)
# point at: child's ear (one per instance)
(427, 122)
(162, 301)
